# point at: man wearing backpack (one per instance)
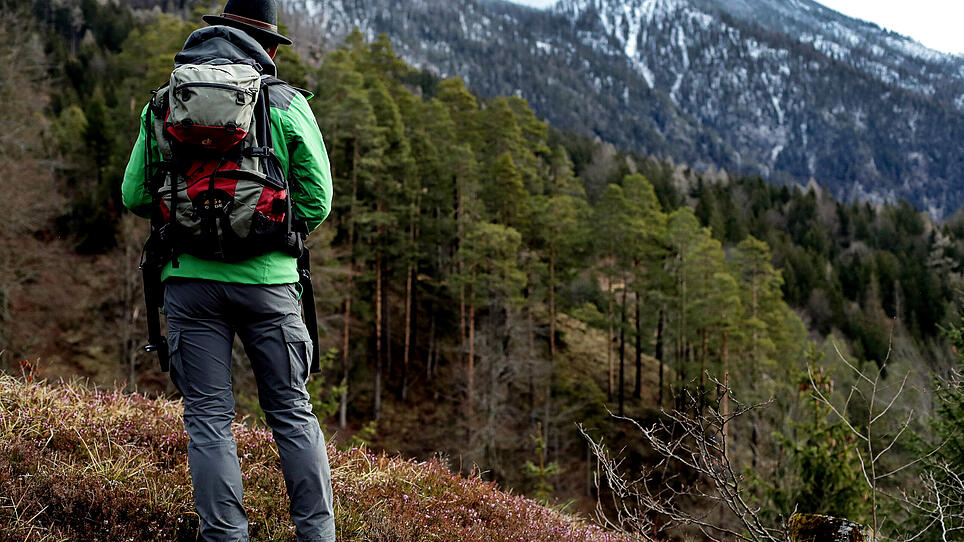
(231, 168)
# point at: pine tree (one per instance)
(355, 142)
(389, 201)
(503, 192)
(435, 152)
(714, 303)
(647, 224)
(490, 276)
(762, 300)
(684, 234)
(772, 336)
(463, 110)
(611, 215)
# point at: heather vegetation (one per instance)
(78, 463)
(485, 284)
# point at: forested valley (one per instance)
(487, 284)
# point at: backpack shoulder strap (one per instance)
(265, 143)
(271, 80)
(266, 102)
(158, 108)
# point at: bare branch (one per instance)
(653, 503)
(897, 395)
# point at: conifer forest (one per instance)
(514, 299)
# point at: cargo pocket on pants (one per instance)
(298, 344)
(174, 357)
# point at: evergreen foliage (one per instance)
(484, 275)
(946, 464)
(822, 471)
(782, 89)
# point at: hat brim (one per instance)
(250, 28)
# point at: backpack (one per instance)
(220, 192)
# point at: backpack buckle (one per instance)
(261, 152)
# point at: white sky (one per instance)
(935, 23)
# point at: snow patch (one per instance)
(673, 93)
(775, 153)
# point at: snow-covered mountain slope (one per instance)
(787, 89)
(887, 56)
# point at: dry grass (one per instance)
(78, 463)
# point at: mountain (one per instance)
(789, 90)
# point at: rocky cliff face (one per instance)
(785, 89)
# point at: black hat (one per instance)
(256, 17)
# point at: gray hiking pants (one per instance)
(202, 318)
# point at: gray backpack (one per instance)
(220, 192)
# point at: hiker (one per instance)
(231, 168)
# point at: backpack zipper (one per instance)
(213, 85)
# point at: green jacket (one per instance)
(300, 148)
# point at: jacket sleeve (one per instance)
(308, 166)
(134, 192)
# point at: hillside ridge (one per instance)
(81, 463)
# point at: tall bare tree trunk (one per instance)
(638, 388)
(681, 332)
(463, 321)
(460, 227)
(345, 364)
(378, 339)
(725, 400)
(471, 360)
(406, 355)
(552, 304)
(409, 294)
(622, 353)
(532, 355)
(552, 343)
(548, 409)
(430, 365)
(703, 354)
(346, 337)
(659, 355)
(609, 347)
(754, 367)
(387, 321)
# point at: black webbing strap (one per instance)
(150, 267)
(151, 273)
(308, 305)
